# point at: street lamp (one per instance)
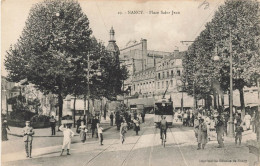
(216, 58)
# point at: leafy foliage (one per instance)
(238, 20)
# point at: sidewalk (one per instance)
(46, 132)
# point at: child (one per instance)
(68, 134)
(239, 130)
(100, 134)
(83, 132)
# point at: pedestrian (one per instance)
(202, 134)
(94, 127)
(253, 122)
(196, 127)
(239, 129)
(135, 114)
(67, 135)
(192, 119)
(220, 131)
(188, 118)
(78, 124)
(123, 130)
(118, 120)
(208, 121)
(247, 120)
(143, 115)
(111, 118)
(83, 132)
(53, 125)
(185, 116)
(4, 130)
(28, 138)
(137, 125)
(100, 133)
(237, 119)
(84, 120)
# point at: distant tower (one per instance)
(113, 49)
(112, 46)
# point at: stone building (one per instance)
(168, 74)
(138, 59)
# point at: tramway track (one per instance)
(114, 143)
(130, 152)
(177, 143)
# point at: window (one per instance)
(167, 74)
(162, 74)
(134, 87)
(171, 83)
(171, 72)
(166, 83)
(158, 87)
(178, 73)
(159, 76)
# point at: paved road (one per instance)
(143, 150)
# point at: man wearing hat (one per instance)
(28, 138)
(220, 131)
(202, 134)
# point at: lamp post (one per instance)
(216, 58)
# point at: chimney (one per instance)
(144, 53)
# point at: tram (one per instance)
(163, 108)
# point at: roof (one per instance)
(112, 46)
(146, 70)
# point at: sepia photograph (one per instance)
(130, 82)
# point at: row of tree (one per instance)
(233, 31)
(53, 50)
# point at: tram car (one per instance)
(163, 108)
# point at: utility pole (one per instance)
(88, 83)
(231, 122)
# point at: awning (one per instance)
(147, 102)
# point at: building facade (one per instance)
(139, 59)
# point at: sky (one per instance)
(164, 32)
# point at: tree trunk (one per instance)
(218, 101)
(60, 100)
(93, 107)
(215, 99)
(74, 111)
(242, 102)
(105, 111)
(85, 98)
(222, 100)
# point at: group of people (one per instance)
(95, 129)
(203, 125)
(186, 117)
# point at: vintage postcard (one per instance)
(133, 83)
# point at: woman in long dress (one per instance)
(83, 132)
(137, 125)
(247, 120)
(4, 130)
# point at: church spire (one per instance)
(112, 34)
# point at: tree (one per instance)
(56, 34)
(238, 20)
